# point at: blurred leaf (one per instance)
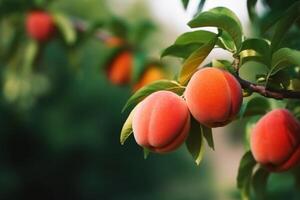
(185, 3)
(188, 42)
(65, 27)
(200, 6)
(251, 9)
(221, 18)
(194, 60)
(284, 24)
(207, 133)
(127, 128)
(142, 93)
(118, 27)
(139, 64)
(194, 142)
(283, 58)
(259, 183)
(141, 31)
(31, 51)
(251, 121)
(244, 177)
(255, 106)
(146, 153)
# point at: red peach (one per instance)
(213, 96)
(119, 71)
(39, 25)
(275, 140)
(161, 122)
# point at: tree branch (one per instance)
(264, 91)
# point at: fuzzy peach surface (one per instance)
(161, 122)
(39, 25)
(275, 140)
(119, 71)
(213, 96)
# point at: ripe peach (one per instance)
(39, 25)
(213, 96)
(153, 73)
(119, 71)
(275, 140)
(161, 122)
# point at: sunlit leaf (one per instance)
(142, 93)
(127, 128)
(222, 18)
(65, 27)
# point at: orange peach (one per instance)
(213, 96)
(119, 71)
(161, 122)
(153, 73)
(275, 140)
(39, 25)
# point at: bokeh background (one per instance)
(60, 126)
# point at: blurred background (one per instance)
(60, 107)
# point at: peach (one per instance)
(213, 96)
(151, 74)
(119, 71)
(39, 25)
(161, 122)
(275, 140)
(114, 42)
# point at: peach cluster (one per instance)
(275, 141)
(161, 121)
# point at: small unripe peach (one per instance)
(213, 96)
(39, 25)
(161, 122)
(119, 71)
(275, 140)
(153, 73)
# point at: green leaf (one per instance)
(284, 24)
(255, 106)
(66, 28)
(207, 133)
(146, 153)
(194, 142)
(251, 9)
(223, 64)
(139, 64)
(142, 93)
(244, 177)
(225, 41)
(185, 3)
(194, 60)
(188, 42)
(259, 183)
(283, 58)
(31, 50)
(127, 128)
(222, 18)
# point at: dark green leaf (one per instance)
(65, 27)
(259, 183)
(222, 18)
(139, 64)
(194, 142)
(251, 9)
(127, 128)
(185, 3)
(188, 42)
(244, 177)
(283, 58)
(142, 93)
(207, 133)
(200, 6)
(194, 60)
(284, 24)
(255, 106)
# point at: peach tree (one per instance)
(167, 113)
